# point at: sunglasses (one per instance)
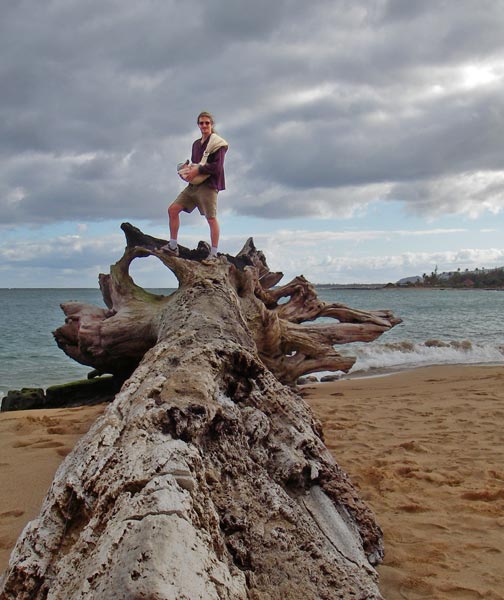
(204, 123)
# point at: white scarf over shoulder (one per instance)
(214, 143)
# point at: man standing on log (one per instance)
(205, 177)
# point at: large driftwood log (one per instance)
(206, 477)
(114, 340)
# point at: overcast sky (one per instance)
(365, 136)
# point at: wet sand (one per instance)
(425, 447)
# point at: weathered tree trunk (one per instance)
(206, 477)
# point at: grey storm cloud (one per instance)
(99, 101)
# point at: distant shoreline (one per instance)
(392, 286)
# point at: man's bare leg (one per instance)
(214, 234)
(174, 211)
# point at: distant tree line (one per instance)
(479, 278)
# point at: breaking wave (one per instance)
(406, 354)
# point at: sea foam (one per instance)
(407, 354)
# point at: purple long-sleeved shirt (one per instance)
(214, 165)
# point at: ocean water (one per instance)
(439, 327)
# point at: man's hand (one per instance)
(191, 173)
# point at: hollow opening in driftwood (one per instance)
(150, 274)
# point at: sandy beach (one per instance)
(425, 447)
(32, 445)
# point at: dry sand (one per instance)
(32, 445)
(426, 449)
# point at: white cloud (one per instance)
(471, 193)
(61, 252)
(478, 75)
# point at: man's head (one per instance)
(205, 121)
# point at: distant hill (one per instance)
(409, 280)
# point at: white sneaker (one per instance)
(167, 250)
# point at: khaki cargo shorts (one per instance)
(200, 196)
